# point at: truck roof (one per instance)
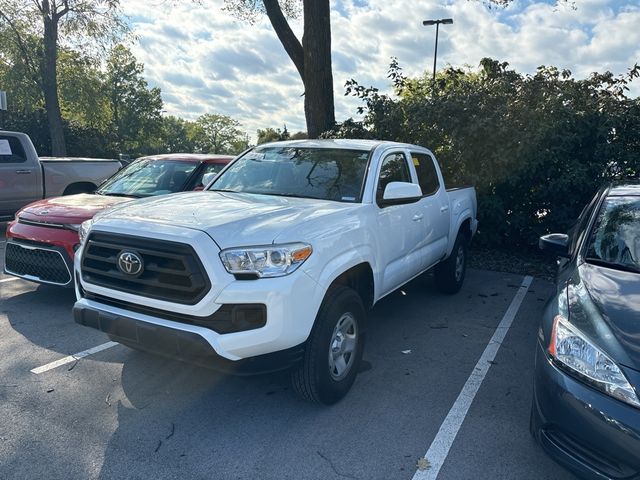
(347, 144)
(624, 188)
(192, 157)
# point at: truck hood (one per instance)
(231, 219)
(70, 208)
(605, 303)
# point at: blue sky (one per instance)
(206, 61)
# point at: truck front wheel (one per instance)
(449, 275)
(334, 349)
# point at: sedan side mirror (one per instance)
(398, 193)
(555, 243)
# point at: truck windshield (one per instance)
(323, 173)
(615, 238)
(146, 177)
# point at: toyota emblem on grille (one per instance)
(130, 263)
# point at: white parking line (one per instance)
(9, 279)
(72, 358)
(439, 449)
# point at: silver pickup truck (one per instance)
(24, 177)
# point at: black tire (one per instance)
(316, 379)
(449, 275)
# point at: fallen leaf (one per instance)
(50, 390)
(423, 464)
(406, 352)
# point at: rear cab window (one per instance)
(11, 150)
(427, 173)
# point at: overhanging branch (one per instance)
(289, 41)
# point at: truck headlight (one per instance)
(572, 351)
(83, 231)
(265, 261)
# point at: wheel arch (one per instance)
(355, 269)
(464, 227)
(359, 278)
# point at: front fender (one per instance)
(342, 262)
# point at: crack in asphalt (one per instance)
(333, 467)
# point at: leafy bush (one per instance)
(536, 147)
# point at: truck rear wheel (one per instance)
(334, 349)
(449, 275)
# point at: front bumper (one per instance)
(40, 254)
(590, 433)
(174, 341)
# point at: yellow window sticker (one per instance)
(416, 162)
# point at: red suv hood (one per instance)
(70, 208)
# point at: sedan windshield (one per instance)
(323, 173)
(146, 177)
(615, 239)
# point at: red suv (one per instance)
(42, 239)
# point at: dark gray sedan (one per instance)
(586, 405)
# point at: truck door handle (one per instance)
(444, 209)
(23, 172)
(417, 217)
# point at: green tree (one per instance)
(177, 135)
(272, 135)
(275, 135)
(51, 21)
(219, 134)
(536, 147)
(83, 96)
(135, 108)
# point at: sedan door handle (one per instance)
(23, 172)
(444, 209)
(417, 217)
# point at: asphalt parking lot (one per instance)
(120, 414)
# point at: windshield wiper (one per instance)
(223, 190)
(293, 195)
(114, 194)
(615, 265)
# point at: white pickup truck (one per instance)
(277, 262)
(24, 177)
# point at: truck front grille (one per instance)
(36, 263)
(171, 270)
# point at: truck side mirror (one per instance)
(398, 193)
(555, 243)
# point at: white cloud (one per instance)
(205, 60)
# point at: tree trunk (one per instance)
(312, 59)
(50, 86)
(318, 77)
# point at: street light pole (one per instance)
(444, 21)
